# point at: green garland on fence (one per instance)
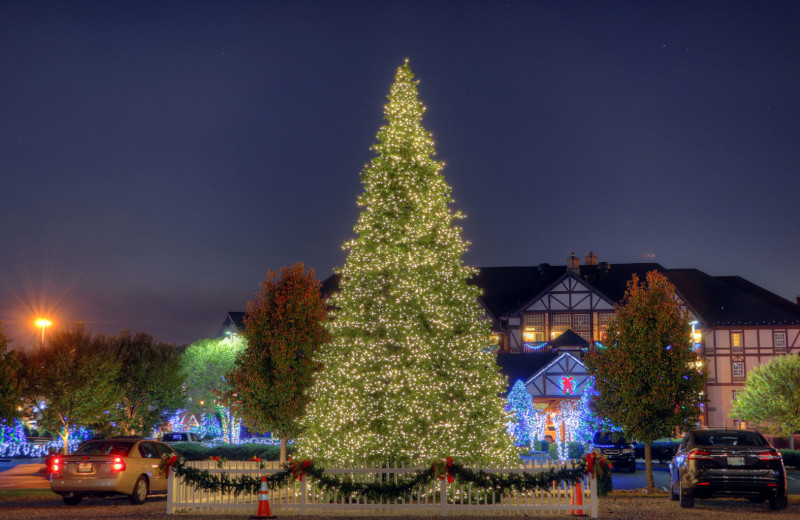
(497, 483)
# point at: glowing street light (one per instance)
(43, 323)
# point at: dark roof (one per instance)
(568, 338)
(233, 323)
(523, 366)
(715, 300)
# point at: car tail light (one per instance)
(118, 464)
(699, 455)
(55, 465)
(769, 455)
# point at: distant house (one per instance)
(233, 324)
(540, 312)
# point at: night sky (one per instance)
(158, 158)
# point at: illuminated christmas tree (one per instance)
(409, 373)
(521, 426)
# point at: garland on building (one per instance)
(439, 469)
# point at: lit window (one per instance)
(534, 320)
(561, 319)
(580, 322)
(737, 342)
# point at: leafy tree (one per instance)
(410, 372)
(10, 392)
(284, 328)
(205, 365)
(76, 378)
(771, 397)
(647, 379)
(150, 382)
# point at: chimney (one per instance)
(573, 264)
(591, 259)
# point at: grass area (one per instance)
(17, 493)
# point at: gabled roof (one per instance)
(521, 366)
(715, 300)
(233, 323)
(567, 339)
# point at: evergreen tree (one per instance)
(409, 373)
(647, 380)
(522, 426)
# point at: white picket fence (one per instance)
(438, 498)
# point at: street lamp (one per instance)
(43, 323)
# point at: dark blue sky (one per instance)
(158, 158)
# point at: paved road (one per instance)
(638, 480)
(15, 474)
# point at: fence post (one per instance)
(595, 498)
(443, 498)
(170, 492)
(303, 496)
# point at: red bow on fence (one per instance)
(443, 469)
(591, 458)
(169, 463)
(298, 470)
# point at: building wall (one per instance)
(720, 354)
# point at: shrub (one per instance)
(791, 458)
(194, 451)
(575, 450)
(541, 446)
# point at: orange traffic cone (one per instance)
(264, 511)
(577, 499)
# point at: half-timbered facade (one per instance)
(539, 312)
(736, 324)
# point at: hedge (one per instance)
(194, 451)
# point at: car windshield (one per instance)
(608, 439)
(108, 447)
(174, 437)
(729, 439)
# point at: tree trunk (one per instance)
(64, 434)
(284, 440)
(791, 441)
(648, 465)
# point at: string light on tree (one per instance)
(409, 372)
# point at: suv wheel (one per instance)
(72, 500)
(779, 502)
(683, 499)
(139, 494)
(672, 494)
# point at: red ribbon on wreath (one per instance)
(298, 470)
(169, 463)
(591, 458)
(443, 470)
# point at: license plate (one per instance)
(84, 467)
(735, 461)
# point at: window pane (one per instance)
(561, 319)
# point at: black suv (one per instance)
(731, 463)
(614, 447)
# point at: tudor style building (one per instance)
(545, 317)
(737, 325)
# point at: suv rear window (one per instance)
(729, 439)
(608, 439)
(105, 448)
(174, 437)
